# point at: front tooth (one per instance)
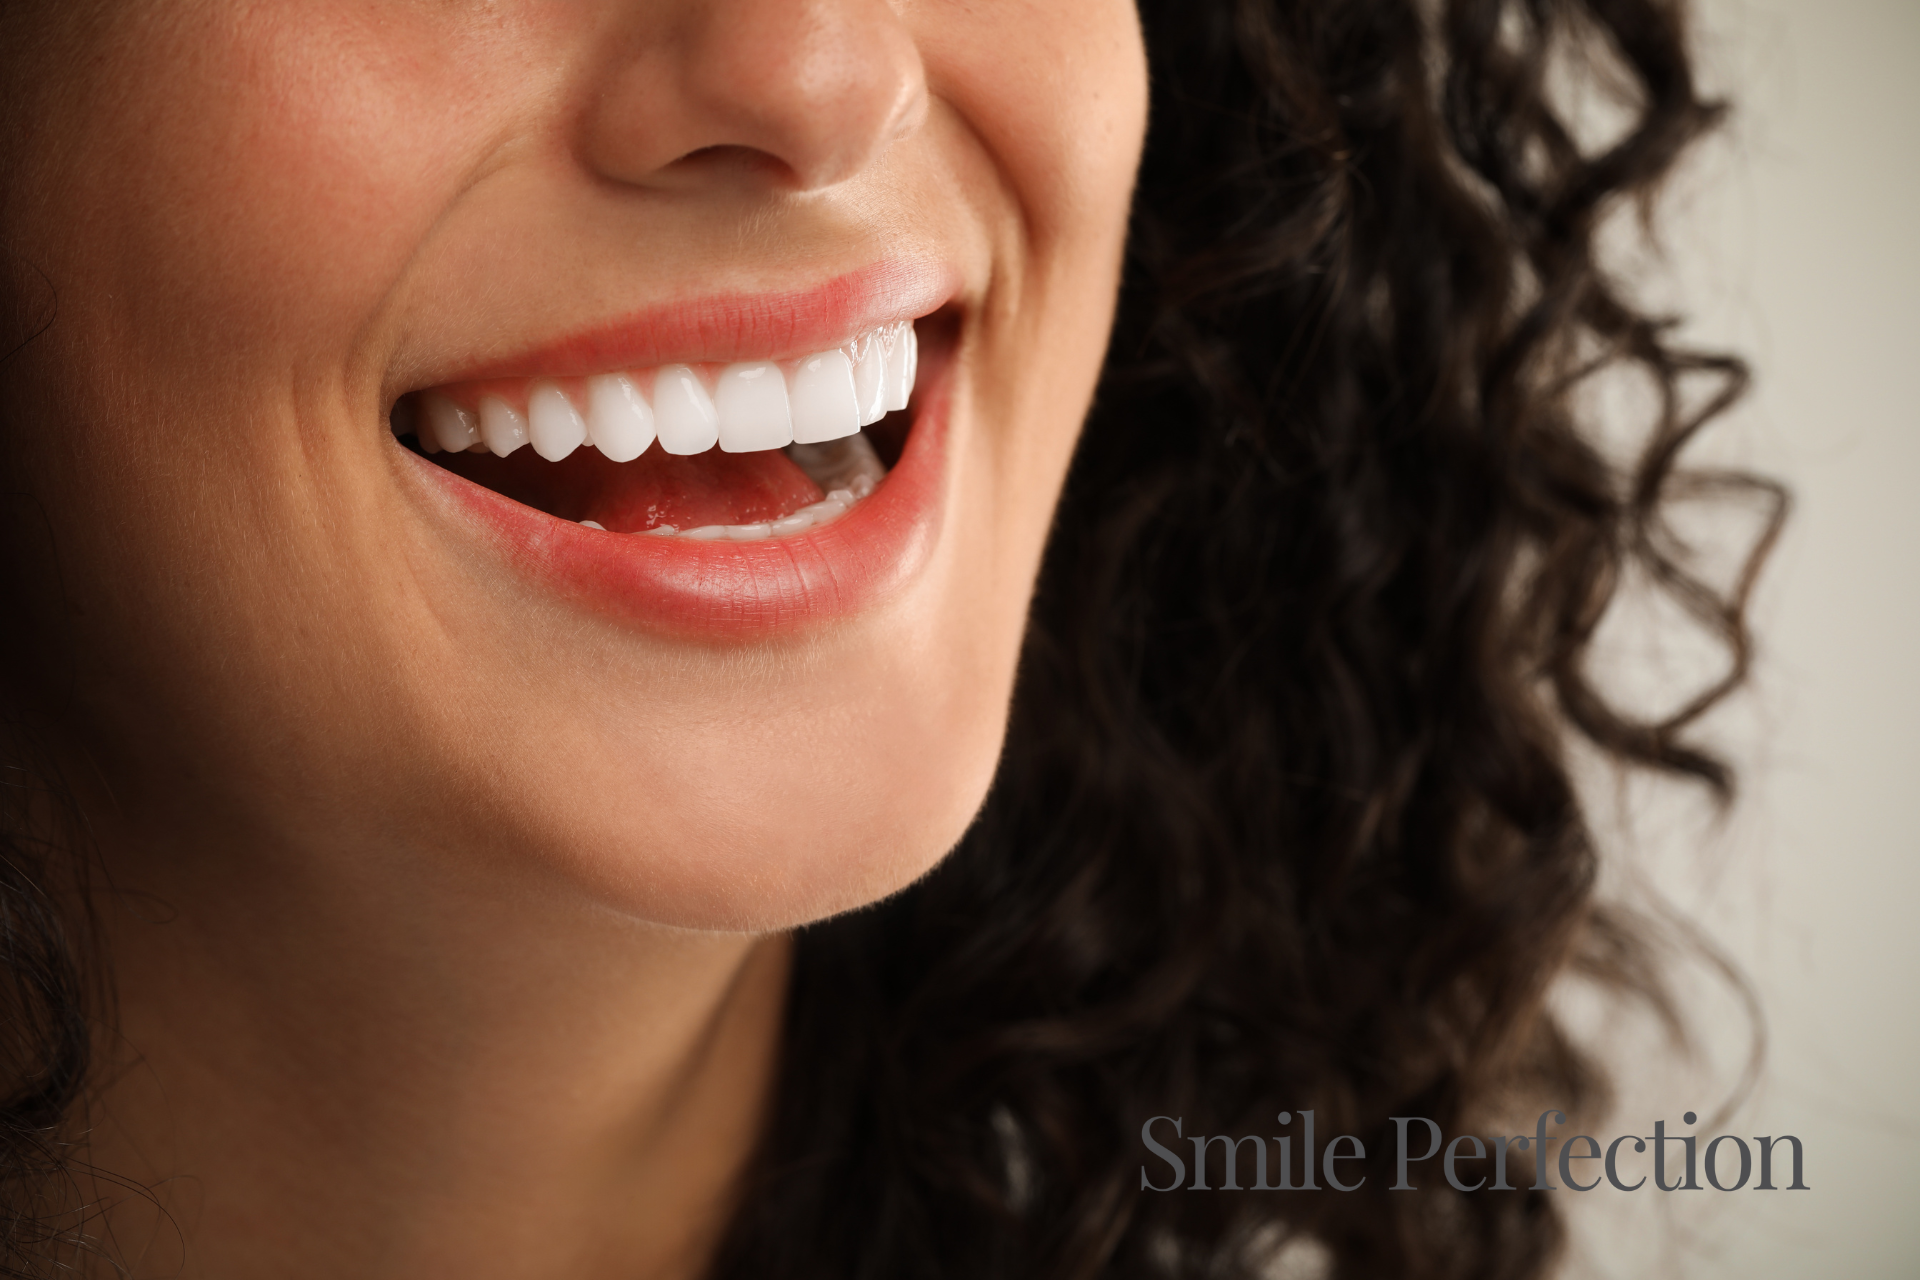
(753, 409)
(825, 404)
(618, 416)
(553, 424)
(870, 380)
(902, 356)
(452, 428)
(683, 411)
(501, 426)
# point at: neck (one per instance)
(403, 1067)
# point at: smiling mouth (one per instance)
(738, 452)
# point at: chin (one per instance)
(798, 844)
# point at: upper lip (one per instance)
(733, 326)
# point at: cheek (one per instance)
(287, 159)
(243, 187)
(1058, 94)
(1058, 113)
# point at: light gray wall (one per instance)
(1797, 241)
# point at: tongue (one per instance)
(657, 488)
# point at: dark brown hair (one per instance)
(1285, 818)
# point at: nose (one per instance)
(804, 94)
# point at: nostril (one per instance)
(732, 160)
(799, 94)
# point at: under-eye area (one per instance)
(740, 451)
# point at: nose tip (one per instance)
(815, 90)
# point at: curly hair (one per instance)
(1285, 817)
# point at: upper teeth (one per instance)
(745, 407)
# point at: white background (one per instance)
(1795, 239)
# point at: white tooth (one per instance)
(553, 424)
(707, 533)
(683, 412)
(618, 417)
(752, 404)
(870, 379)
(901, 359)
(593, 524)
(501, 426)
(844, 497)
(824, 403)
(823, 511)
(749, 532)
(451, 427)
(661, 530)
(798, 522)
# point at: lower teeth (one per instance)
(847, 469)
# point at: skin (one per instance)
(448, 918)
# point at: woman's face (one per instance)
(286, 632)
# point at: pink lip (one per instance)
(760, 326)
(733, 591)
(726, 590)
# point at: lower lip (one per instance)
(728, 590)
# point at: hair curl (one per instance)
(1285, 817)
